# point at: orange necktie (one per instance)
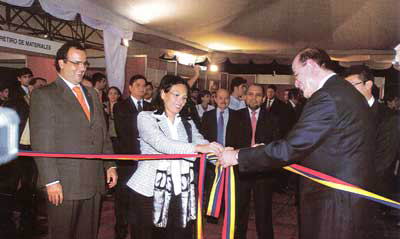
(81, 100)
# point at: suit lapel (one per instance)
(163, 124)
(132, 106)
(247, 123)
(260, 122)
(214, 125)
(69, 98)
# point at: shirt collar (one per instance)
(225, 110)
(135, 100)
(177, 119)
(323, 81)
(69, 84)
(26, 89)
(257, 110)
(371, 101)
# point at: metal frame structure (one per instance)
(36, 22)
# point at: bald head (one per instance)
(222, 99)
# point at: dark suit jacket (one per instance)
(125, 119)
(209, 127)
(334, 135)
(125, 116)
(20, 105)
(267, 128)
(58, 124)
(387, 146)
(284, 114)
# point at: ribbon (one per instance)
(335, 183)
(228, 229)
(224, 183)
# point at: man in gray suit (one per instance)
(67, 117)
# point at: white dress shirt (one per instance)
(135, 101)
(236, 104)
(371, 101)
(175, 164)
(200, 109)
(71, 86)
(257, 112)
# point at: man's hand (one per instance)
(213, 147)
(55, 194)
(112, 177)
(228, 158)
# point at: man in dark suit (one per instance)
(67, 117)
(387, 139)
(279, 109)
(220, 129)
(25, 169)
(257, 126)
(125, 116)
(335, 135)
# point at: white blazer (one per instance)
(155, 138)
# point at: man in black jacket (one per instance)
(387, 124)
(257, 126)
(335, 135)
(125, 116)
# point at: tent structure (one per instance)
(241, 31)
(351, 30)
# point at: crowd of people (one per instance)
(339, 127)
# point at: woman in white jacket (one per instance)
(163, 194)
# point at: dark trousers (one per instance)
(333, 214)
(122, 201)
(146, 229)
(27, 194)
(74, 219)
(262, 189)
(8, 187)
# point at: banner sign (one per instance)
(28, 43)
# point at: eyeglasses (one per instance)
(79, 63)
(357, 83)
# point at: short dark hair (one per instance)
(137, 77)
(318, 55)
(148, 83)
(272, 87)
(258, 85)
(362, 71)
(34, 80)
(165, 85)
(62, 53)
(24, 71)
(97, 77)
(294, 93)
(202, 94)
(237, 81)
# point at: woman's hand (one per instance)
(213, 147)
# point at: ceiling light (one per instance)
(220, 46)
(148, 12)
(213, 68)
(185, 59)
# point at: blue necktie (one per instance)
(220, 135)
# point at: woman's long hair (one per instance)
(165, 85)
